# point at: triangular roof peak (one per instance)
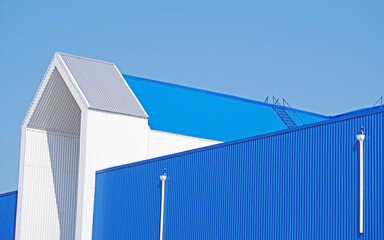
(94, 84)
(83, 58)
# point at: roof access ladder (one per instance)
(280, 110)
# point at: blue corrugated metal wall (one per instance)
(8, 203)
(300, 184)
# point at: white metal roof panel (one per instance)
(57, 110)
(103, 85)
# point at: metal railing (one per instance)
(378, 105)
(285, 104)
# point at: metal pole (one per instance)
(163, 178)
(361, 138)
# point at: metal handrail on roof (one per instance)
(376, 103)
(285, 104)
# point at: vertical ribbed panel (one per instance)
(163, 143)
(103, 85)
(57, 110)
(8, 203)
(50, 186)
(301, 184)
(112, 139)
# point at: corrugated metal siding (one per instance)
(8, 202)
(301, 184)
(57, 110)
(115, 139)
(48, 209)
(103, 86)
(112, 139)
(163, 143)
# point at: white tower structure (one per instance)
(83, 118)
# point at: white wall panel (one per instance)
(51, 206)
(115, 139)
(164, 143)
(111, 140)
(48, 207)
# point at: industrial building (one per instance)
(301, 183)
(112, 156)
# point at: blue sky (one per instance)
(322, 56)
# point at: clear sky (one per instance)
(321, 56)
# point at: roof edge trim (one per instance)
(85, 58)
(186, 136)
(131, 91)
(41, 86)
(8, 193)
(56, 63)
(118, 113)
(73, 81)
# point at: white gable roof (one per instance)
(103, 85)
(94, 84)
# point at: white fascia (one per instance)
(58, 63)
(133, 94)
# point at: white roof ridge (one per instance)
(84, 58)
(95, 84)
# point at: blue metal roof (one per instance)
(204, 114)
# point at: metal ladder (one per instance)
(280, 111)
